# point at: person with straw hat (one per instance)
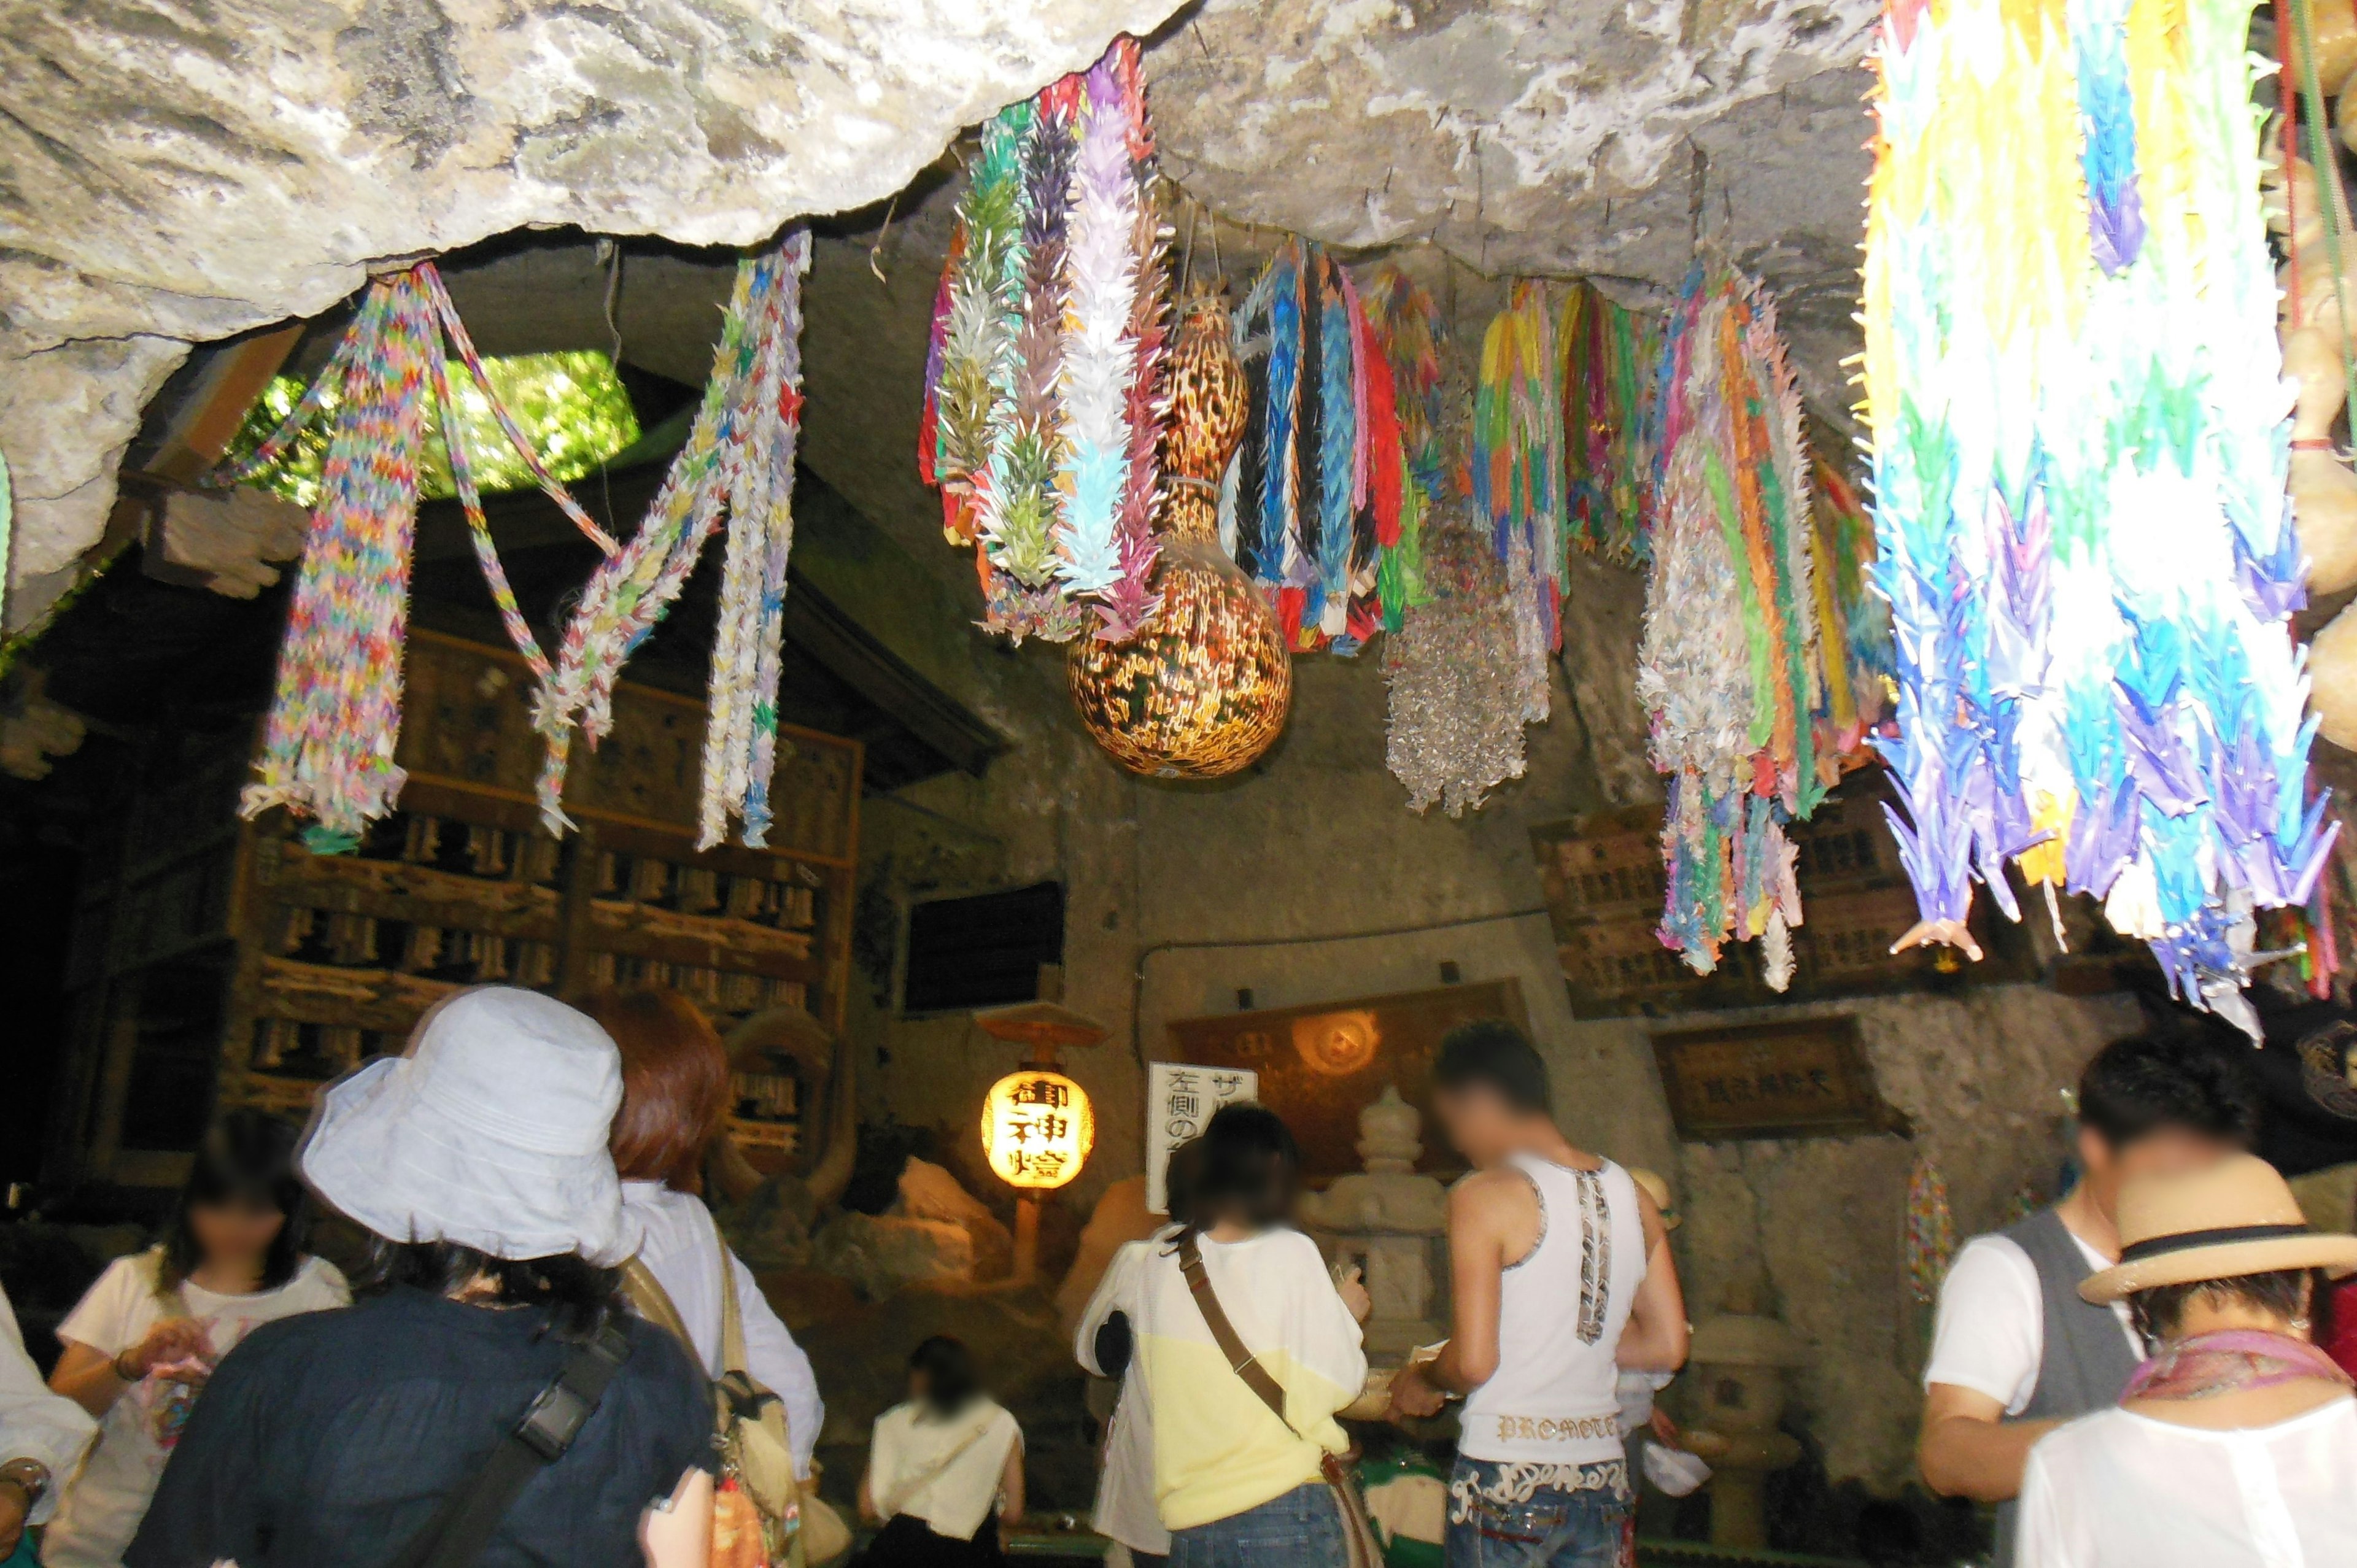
(2235, 1444)
(487, 1401)
(2015, 1352)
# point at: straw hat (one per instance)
(489, 1132)
(2237, 1218)
(1659, 1191)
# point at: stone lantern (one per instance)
(1389, 1220)
(1740, 1360)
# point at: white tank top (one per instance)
(1560, 1313)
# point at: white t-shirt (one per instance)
(49, 1429)
(945, 1472)
(676, 1239)
(1990, 1335)
(2119, 1490)
(1126, 1509)
(1218, 1450)
(102, 1509)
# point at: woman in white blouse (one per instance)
(2235, 1445)
(944, 1469)
(675, 1093)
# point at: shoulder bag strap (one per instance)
(540, 1438)
(1241, 1362)
(732, 1317)
(654, 1304)
(910, 1486)
(1361, 1548)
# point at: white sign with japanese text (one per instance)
(1179, 1100)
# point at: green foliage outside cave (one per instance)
(571, 405)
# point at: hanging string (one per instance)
(2329, 198)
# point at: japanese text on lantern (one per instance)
(1179, 1102)
(1037, 1128)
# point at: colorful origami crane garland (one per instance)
(2078, 413)
(1322, 516)
(335, 718)
(335, 722)
(1408, 334)
(1853, 620)
(738, 463)
(1040, 425)
(1930, 1231)
(1730, 664)
(1609, 355)
(1517, 469)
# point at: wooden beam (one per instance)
(226, 390)
(822, 630)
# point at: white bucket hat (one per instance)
(489, 1132)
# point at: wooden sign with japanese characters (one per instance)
(1802, 1080)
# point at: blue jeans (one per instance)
(1302, 1528)
(1505, 1515)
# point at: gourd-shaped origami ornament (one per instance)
(1205, 688)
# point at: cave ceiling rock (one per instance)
(1545, 138)
(177, 171)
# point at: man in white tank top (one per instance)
(1560, 1277)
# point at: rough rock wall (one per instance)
(1979, 1075)
(177, 172)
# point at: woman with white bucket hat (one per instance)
(2235, 1445)
(488, 1402)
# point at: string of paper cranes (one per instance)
(2082, 521)
(335, 720)
(2063, 624)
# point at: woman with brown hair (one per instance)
(675, 1092)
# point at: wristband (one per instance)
(29, 1477)
(116, 1365)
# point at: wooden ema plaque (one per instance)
(1322, 1064)
(339, 955)
(1804, 1080)
(1602, 878)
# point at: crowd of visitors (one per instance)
(2131, 1374)
(551, 1356)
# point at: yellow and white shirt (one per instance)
(1218, 1450)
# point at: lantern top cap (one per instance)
(1048, 1024)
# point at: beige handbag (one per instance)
(795, 1530)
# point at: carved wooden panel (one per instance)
(1804, 1080)
(466, 721)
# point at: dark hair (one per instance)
(1179, 1179)
(2134, 1088)
(580, 1297)
(2159, 1311)
(1491, 1054)
(674, 1085)
(950, 1381)
(1250, 1169)
(246, 1160)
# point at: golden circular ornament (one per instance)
(1204, 688)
